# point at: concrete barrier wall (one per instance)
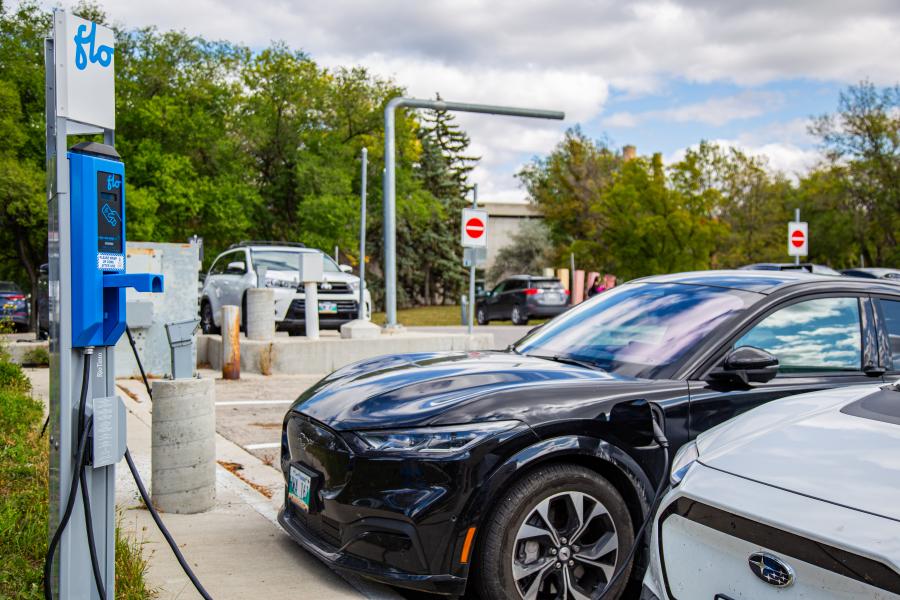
(286, 355)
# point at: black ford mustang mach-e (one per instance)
(527, 472)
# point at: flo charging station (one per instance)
(86, 246)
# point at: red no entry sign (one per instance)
(474, 228)
(798, 238)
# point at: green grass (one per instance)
(24, 489)
(434, 316)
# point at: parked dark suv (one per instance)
(527, 473)
(522, 297)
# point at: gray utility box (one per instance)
(181, 345)
(149, 313)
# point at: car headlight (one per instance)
(354, 285)
(433, 440)
(684, 460)
(282, 283)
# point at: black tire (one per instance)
(207, 324)
(494, 570)
(517, 316)
(481, 316)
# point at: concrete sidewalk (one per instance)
(237, 549)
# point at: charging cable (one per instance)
(663, 442)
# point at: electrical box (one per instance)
(312, 267)
(97, 210)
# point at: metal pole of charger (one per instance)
(473, 253)
(362, 238)
(72, 575)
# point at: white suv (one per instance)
(238, 269)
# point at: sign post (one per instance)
(798, 238)
(474, 236)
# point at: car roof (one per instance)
(880, 271)
(763, 282)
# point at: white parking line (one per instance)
(251, 402)
(264, 446)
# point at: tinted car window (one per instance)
(815, 335)
(515, 284)
(546, 284)
(890, 309)
(219, 266)
(636, 329)
(286, 260)
(499, 288)
(237, 257)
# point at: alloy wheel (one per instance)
(566, 549)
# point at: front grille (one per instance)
(330, 287)
(327, 530)
(297, 309)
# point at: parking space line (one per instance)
(265, 446)
(251, 402)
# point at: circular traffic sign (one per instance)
(797, 238)
(474, 228)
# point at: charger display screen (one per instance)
(109, 213)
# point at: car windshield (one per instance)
(636, 329)
(287, 260)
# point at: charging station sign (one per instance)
(85, 71)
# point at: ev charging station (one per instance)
(86, 246)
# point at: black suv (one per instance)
(522, 297)
(528, 472)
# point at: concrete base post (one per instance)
(311, 313)
(231, 342)
(183, 445)
(360, 329)
(260, 314)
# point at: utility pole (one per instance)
(362, 237)
(390, 184)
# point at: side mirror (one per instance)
(235, 267)
(345, 268)
(747, 365)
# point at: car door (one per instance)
(820, 342)
(492, 300)
(232, 282)
(888, 319)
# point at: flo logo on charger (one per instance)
(96, 54)
(113, 183)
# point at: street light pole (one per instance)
(390, 183)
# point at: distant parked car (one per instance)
(873, 273)
(13, 305)
(236, 270)
(43, 303)
(522, 297)
(799, 498)
(808, 267)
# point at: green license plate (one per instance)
(299, 488)
(328, 308)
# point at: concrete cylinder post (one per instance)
(578, 289)
(183, 451)
(260, 314)
(231, 342)
(311, 304)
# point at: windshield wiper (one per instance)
(570, 361)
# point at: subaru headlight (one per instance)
(684, 460)
(354, 285)
(433, 440)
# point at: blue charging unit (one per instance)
(97, 183)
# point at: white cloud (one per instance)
(715, 111)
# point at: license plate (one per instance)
(8, 306)
(299, 488)
(328, 308)
(552, 298)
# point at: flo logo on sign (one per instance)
(96, 54)
(113, 183)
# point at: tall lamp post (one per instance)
(390, 182)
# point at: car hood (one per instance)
(421, 389)
(827, 445)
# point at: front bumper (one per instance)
(400, 520)
(708, 526)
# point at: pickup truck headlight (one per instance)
(433, 440)
(354, 285)
(684, 460)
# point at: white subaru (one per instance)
(799, 498)
(240, 267)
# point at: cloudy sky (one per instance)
(660, 75)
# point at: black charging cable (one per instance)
(663, 442)
(146, 497)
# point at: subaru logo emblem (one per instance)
(771, 569)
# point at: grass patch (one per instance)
(36, 357)
(435, 316)
(24, 498)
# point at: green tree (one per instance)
(527, 252)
